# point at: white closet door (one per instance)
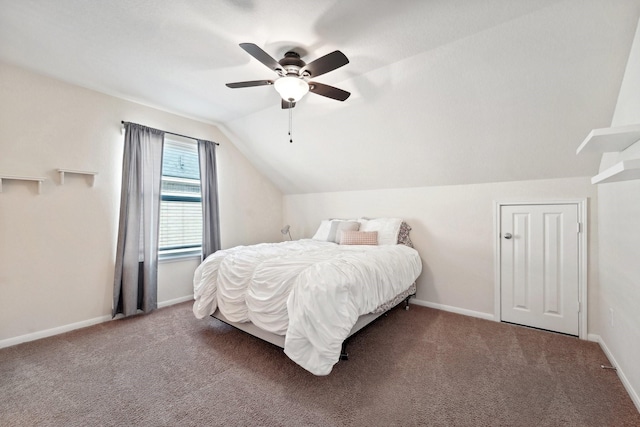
(539, 266)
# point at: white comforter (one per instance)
(310, 291)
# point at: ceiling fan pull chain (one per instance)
(290, 123)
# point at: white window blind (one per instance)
(180, 205)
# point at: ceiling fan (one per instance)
(294, 75)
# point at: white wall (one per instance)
(453, 229)
(619, 228)
(57, 248)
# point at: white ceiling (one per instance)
(443, 91)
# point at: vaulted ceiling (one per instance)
(443, 91)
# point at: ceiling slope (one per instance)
(443, 92)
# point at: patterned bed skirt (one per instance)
(386, 306)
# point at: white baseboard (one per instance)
(53, 331)
(625, 382)
(457, 310)
(593, 338)
(78, 325)
(175, 301)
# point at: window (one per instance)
(181, 202)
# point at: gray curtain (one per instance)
(209, 185)
(136, 273)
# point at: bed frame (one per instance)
(278, 340)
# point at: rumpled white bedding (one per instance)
(310, 291)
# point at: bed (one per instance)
(308, 296)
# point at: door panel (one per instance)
(521, 261)
(553, 263)
(539, 266)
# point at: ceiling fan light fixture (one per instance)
(291, 88)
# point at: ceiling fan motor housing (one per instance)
(291, 63)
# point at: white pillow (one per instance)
(323, 231)
(387, 228)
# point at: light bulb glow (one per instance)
(291, 88)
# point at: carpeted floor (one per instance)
(416, 367)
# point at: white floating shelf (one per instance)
(39, 180)
(77, 172)
(610, 139)
(622, 171)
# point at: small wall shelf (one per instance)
(39, 180)
(63, 171)
(610, 139)
(621, 171)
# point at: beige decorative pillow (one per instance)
(359, 238)
(340, 226)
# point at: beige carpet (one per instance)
(416, 367)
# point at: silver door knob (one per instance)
(507, 236)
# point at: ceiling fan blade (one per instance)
(261, 55)
(328, 91)
(287, 104)
(249, 84)
(324, 64)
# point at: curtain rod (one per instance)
(171, 133)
